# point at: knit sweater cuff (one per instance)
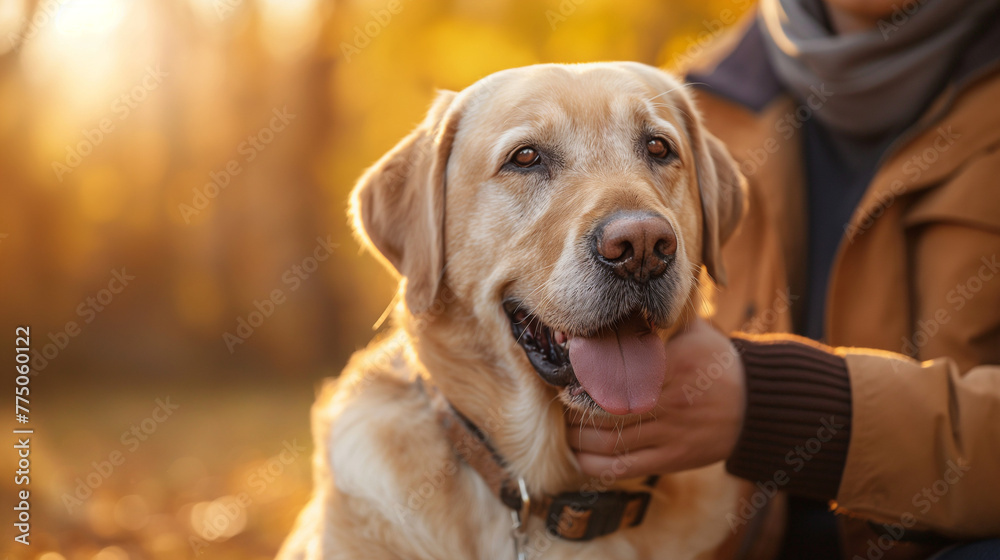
(798, 419)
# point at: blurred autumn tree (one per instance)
(118, 119)
(202, 152)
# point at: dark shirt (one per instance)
(838, 170)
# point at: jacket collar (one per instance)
(744, 75)
(744, 78)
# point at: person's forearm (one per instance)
(798, 417)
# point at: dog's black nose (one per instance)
(635, 245)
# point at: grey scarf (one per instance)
(878, 80)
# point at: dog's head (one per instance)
(567, 208)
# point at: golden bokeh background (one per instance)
(166, 167)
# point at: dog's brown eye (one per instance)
(525, 157)
(658, 148)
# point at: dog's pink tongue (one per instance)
(622, 370)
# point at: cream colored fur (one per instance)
(463, 235)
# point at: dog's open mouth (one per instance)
(619, 369)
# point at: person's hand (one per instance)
(696, 423)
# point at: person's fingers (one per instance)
(613, 440)
(627, 465)
(579, 418)
(601, 442)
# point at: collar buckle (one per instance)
(525, 510)
(519, 522)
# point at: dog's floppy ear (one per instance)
(723, 200)
(398, 205)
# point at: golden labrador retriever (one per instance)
(551, 225)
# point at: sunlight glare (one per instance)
(289, 26)
(89, 17)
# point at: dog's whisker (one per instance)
(679, 86)
(536, 319)
(550, 245)
(536, 290)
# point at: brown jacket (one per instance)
(917, 273)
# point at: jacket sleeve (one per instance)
(798, 416)
(925, 444)
(925, 440)
(889, 439)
